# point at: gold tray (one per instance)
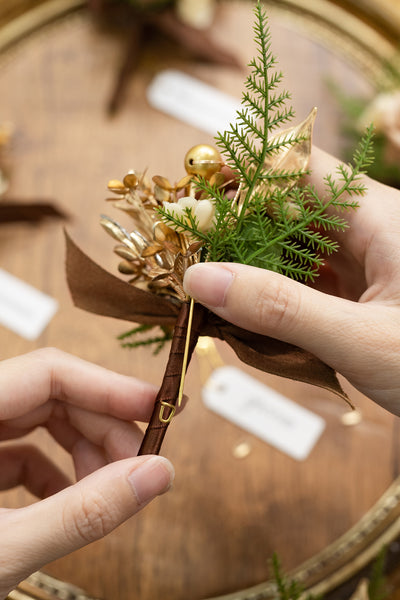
(354, 39)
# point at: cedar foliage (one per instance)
(278, 224)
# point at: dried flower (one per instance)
(154, 254)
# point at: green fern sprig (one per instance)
(130, 339)
(287, 588)
(276, 221)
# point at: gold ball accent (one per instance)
(203, 160)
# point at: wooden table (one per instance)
(216, 530)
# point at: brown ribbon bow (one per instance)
(97, 291)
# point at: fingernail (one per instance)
(208, 283)
(150, 478)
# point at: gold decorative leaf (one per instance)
(193, 248)
(292, 157)
(116, 231)
(151, 250)
(116, 186)
(184, 182)
(163, 183)
(126, 253)
(162, 232)
(217, 179)
(126, 268)
(161, 194)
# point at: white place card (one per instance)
(192, 101)
(262, 411)
(24, 309)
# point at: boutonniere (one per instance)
(245, 201)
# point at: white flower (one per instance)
(202, 211)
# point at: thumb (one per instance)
(80, 514)
(274, 305)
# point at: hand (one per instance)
(350, 319)
(89, 411)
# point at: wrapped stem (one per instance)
(167, 396)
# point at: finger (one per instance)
(52, 374)
(87, 458)
(82, 513)
(271, 304)
(118, 439)
(26, 465)
(341, 275)
(69, 424)
(57, 417)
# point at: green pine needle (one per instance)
(288, 589)
(130, 338)
(280, 224)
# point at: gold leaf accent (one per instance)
(184, 182)
(163, 183)
(162, 233)
(140, 242)
(217, 179)
(151, 250)
(126, 253)
(161, 194)
(126, 268)
(116, 186)
(193, 248)
(116, 231)
(292, 157)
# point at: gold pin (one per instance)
(168, 405)
(165, 405)
(185, 356)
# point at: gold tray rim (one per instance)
(359, 37)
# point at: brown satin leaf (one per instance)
(97, 291)
(276, 357)
(94, 289)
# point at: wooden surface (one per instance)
(215, 532)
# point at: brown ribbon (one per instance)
(167, 396)
(94, 289)
(33, 212)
